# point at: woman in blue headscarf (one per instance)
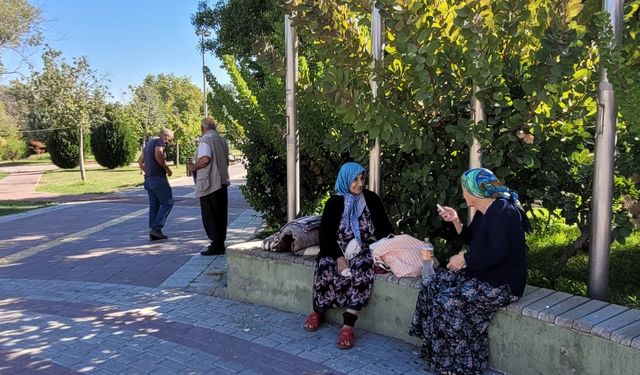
(455, 307)
(352, 219)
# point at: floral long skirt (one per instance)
(331, 290)
(452, 315)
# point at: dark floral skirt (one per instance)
(452, 315)
(331, 290)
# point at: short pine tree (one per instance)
(63, 146)
(113, 143)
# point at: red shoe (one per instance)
(313, 322)
(346, 338)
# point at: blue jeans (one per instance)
(160, 200)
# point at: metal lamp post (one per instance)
(603, 170)
(203, 33)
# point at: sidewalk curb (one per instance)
(208, 275)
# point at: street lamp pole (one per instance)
(202, 33)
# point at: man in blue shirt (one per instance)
(153, 161)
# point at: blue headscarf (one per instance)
(482, 183)
(353, 204)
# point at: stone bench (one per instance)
(545, 332)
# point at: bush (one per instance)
(254, 120)
(62, 145)
(545, 246)
(113, 143)
(14, 148)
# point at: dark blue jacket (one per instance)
(497, 249)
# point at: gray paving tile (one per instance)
(567, 318)
(586, 323)
(119, 350)
(529, 299)
(550, 314)
(626, 334)
(536, 309)
(313, 356)
(606, 328)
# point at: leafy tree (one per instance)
(148, 110)
(69, 97)
(8, 124)
(165, 100)
(112, 142)
(253, 112)
(243, 29)
(15, 98)
(12, 146)
(19, 27)
(536, 63)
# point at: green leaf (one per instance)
(581, 73)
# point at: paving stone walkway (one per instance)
(82, 290)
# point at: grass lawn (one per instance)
(32, 159)
(624, 278)
(14, 207)
(3, 175)
(99, 180)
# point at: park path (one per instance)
(83, 291)
(21, 182)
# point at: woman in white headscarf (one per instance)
(352, 219)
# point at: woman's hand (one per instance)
(456, 263)
(342, 264)
(449, 214)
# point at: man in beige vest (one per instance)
(212, 179)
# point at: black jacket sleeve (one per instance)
(379, 216)
(329, 224)
(332, 214)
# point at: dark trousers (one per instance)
(160, 200)
(214, 209)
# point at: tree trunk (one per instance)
(581, 243)
(83, 175)
(177, 153)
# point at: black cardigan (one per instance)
(332, 214)
(497, 249)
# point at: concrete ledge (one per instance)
(283, 281)
(545, 332)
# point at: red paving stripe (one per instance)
(254, 356)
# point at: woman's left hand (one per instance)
(456, 263)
